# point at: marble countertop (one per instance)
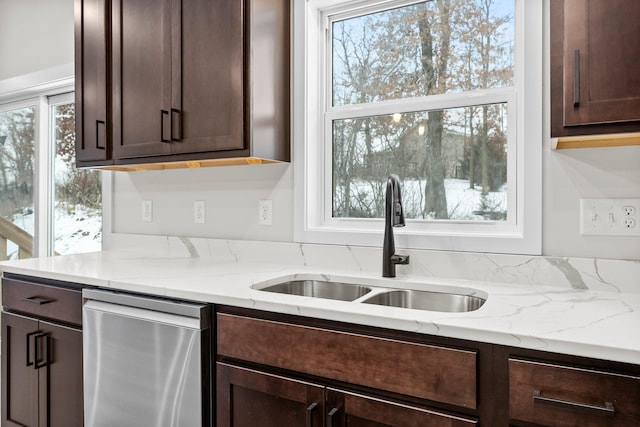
(583, 322)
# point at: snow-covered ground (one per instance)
(463, 203)
(77, 229)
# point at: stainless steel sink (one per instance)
(320, 289)
(424, 300)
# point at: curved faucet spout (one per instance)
(393, 217)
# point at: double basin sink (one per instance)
(458, 300)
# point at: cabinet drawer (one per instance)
(425, 371)
(566, 396)
(52, 302)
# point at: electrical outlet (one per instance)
(199, 212)
(609, 217)
(147, 210)
(265, 212)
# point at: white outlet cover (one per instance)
(199, 212)
(265, 212)
(609, 217)
(147, 210)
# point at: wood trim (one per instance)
(594, 141)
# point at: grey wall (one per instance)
(34, 35)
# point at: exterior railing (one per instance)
(9, 232)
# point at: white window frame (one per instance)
(43, 90)
(312, 153)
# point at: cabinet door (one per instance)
(208, 77)
(19, 376)
(601, 61)
(248, 398)
(141, 77)
(61, 381)
(354, 410)
(92, 113)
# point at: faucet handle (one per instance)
(400, 259)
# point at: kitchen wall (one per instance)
(34, 35)
(232, 195)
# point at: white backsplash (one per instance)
(604, 275)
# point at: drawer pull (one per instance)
(310, 410)
(41, 362)
(38, 300)
(608, 408)
(29, 335)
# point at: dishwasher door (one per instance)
(146, 362)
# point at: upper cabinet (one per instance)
(194, 81)
(595, 84)
(93, 112)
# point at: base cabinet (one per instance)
(248, 397)
(41, 354)
(42, 373)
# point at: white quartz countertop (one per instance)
(598, 324)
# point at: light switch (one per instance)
(609, 217)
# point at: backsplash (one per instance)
(603, 275)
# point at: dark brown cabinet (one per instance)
(595, 84)
(93, 112)
(41, 359)
(564, 396)
(185, 81)
(246, 397)
(358, 379)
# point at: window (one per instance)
(443, 93)
(47, 206)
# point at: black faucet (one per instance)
(393, 217)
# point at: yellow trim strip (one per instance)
(592, 141)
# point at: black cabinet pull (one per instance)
(174, 113)
(576, 77)
(310, 410)
(47, 343)
(29, 335)
(162, 114)
(38, 300)
(331, 416)
(100, 136)
(608, 408)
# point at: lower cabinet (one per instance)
(548, 393)
(248, 397)
(41, 353)
(41, 373)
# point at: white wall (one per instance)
(34, 35)
(232, 195)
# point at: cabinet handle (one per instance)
(99, 134)
(29, 335)
(45, 359)
(162, 114)
(179, 125)
(38, 300)
(608, 408)
(331, 416)
(576, 77)
(310, 410)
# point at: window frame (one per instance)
(312, 134)
(43, 90)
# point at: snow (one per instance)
(463, 203)
(77, 229)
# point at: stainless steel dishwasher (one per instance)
(146, 361)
